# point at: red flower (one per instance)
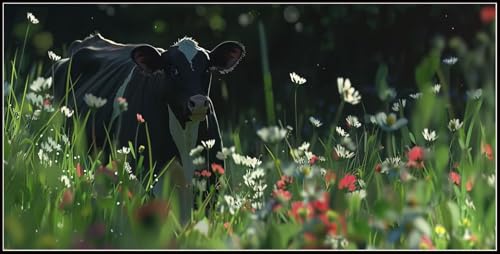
(348, 182)
(310, 240)
(329, 220)
(321, 205)
(300, 211)
(217, 168)
(79, 171)
(487, 150)
(416, 157)
(313, 159)
(487, 14)
(67, 199)
(284, 181)
(455, 177)
(378, 167)
(227, 226)
(139, 118)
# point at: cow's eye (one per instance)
(174, 72)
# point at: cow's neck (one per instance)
(185, 140)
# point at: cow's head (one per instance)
(188, 69)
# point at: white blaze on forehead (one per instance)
(190, 48)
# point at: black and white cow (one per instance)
(169, 88)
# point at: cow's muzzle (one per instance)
(197, 107)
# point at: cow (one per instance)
(169, 88)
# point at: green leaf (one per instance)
(412, 138)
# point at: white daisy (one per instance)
(429, 136)
(208, 144)
(347, 92)
(53, 56)
(195, 151)
(436, 88)
(124, 150)
(272, 134)
(454, 125)
(342, 152)
(399, 105)
(450, 60)
(67, 111)
(296, 79)
(41, 84)
(317, 123)
(341, 132)
(415, 95)
(32, 18)
(353, 121)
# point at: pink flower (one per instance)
(416, 157)
(139, 118)
(205, 173)
(487, 150)
(217, 168)
(313, 160)
(455, 177)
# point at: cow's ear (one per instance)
(147, 57)
(225, 56)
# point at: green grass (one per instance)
(96, 210)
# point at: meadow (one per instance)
(418, 175)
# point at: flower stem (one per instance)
(339, 112)
(297, 132)
(136, 135)
(24, 46)
(94, 143)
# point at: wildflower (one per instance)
(343, 153)
(195, 151)
(296, 79)
(315, 122)
(200, 160)
(94, 101)
(361, 194)
(205, 173)
(330, 177)
(233, 203)
(475, 94)
(455, 177)
(416, 95)
(470, 204)
(454, 125)
(389, 122)
(491, 180)
(208, 144)
(429, 136)
(348, 93)
(389, 93)
(393, 163)
(399, 105)
(450, 60)
(78, 168)
(468, 185)
(139, 118)
(436, 88)
(440, 230)
(217, 168)
(487, 150)
(378, 168)
(67, 111)
(124, 150)
(341, 132)
(53, 56)
(41, 84)
(352, 121)
(67, 199)
(465, 222)
(65, 180)
(301, 211)
(141, 149)
(272, 134)
(426, 243)
(122, 104)
(282, 195)
(348, 182)
(225, 152)
(32, 18)
(416, 157)
(313, 160)
(487, 14)
(246, 160)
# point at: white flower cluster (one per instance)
(342, 152)
(454, 125)
(255, 181)
(225, 152)
(94, 101)
(315, 122)
(399, 105)
(233, 203)
(296, 79)
(39, 96)
(272, 134)
(66, 181)
(53, 56)
(429, 135)
(31, 18)
(353, 121)
(247, 161)
(391, 163)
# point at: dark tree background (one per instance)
(320, 42)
